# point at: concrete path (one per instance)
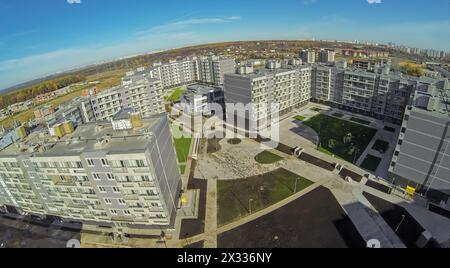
(211, 215)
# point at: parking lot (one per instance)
(21, 234)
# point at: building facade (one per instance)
(120, 177)
(422, 155)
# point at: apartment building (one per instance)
(308, 56)
(326, 56)
(212, 69)
(422, 156)
(176, 73)
(200, 97)
(121, 174)
(289, 88)
(138, 90)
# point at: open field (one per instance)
(238, 198)
(106, 79)
(344, 139)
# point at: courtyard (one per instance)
(239, 198)
(341, 138)
(315, 220)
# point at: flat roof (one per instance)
(99, 136)
(425, 151)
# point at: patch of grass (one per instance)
(316, 109)
(300, 118)
(334, 136)
(390, 129)
(371, 163)
(182, 146)
(176, 95)
(267, 157)
(381, 146)
(360, 121)
(338, 115)
(182, 169)
(264, 190)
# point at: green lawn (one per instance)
(335, 138)
(371, 163)
(381, 146)
(300, 118)
(176, 95)
(182, 169)
(265, 190)
(182, 146)
(338, 115)
(361, 121)
(267, 157)
(316, 109)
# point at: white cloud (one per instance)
(374, 1)
(178, 25)
(74, 1)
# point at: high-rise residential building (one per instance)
(289, 88)
(422, 156)
(138, 90)
(326, 56)
(121, 174)
(212, 69)
(308, 56)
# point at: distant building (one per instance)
(290, 88)
(326, 56)
(308, 56)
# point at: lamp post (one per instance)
(398, 227)
(295, 188)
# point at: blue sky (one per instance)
(39, 37)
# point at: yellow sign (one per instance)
(184, 199)
(410, 190)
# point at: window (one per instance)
(122, 202)
(90, 162)
(105, 162)
(78, 164)
(102, 189)
(110, 176)
(96, 176)
(108, 201)
(126, 212)
(145, 178)
(116, 190)
(140, 163)
(113, 212)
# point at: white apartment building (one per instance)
(125, 177)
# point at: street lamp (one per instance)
(250, 205)
(295, 188)
(398, 227)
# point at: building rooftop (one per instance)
(88, 138)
